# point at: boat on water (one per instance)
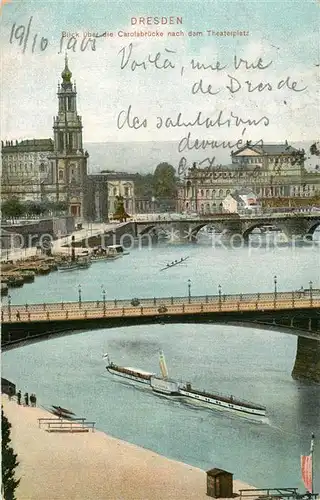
(58, 411)
(112, 252)
(174, 263)
(117, 250)
(170, 387)
(72, 265)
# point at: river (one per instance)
(249, 363)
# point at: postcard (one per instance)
(160, 232)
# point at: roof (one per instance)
(237, 194)
(233, 167)
(217, 472)
(111, 174)
(28, 145)
(267, 149)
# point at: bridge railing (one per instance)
(165, 308)
(159, 301)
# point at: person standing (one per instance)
(33, 400)
(26, 399)
(19, 397)
(10, 392)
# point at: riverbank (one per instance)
(83, 466)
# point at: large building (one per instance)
(46, 170)
(120, 184)
(26, 169)
(271, 171)
(105, 188)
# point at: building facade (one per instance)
(271, 171)
(244, 201)
(51, 170)
(104, 190)
(26, 169)
(120, 184)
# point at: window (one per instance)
(207, 193)
(126, 191)
(41, 167)
(60, 175)
(202, 192)
(61, 141)
(114, 191)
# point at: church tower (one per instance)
(69, 160)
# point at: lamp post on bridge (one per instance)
(219, 292)
(9, 307)
(275, 281)
(189, 291)
(310, 288)
(79, 295)
(104, 300)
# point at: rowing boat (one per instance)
(175, 263)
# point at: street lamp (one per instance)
(189, 291)
(9, 307)
(275, 281)
(310, 288)
(79, 294)
(219, 292)
(104, 300)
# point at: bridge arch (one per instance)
(256, 225)
(313, 227)
(146, 230)
(199, 226)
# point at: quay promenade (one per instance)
(61, 244)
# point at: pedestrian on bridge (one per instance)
(18, 316)
(19, 397)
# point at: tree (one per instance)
(120, 212)
(9, 461)
(164, 181)
(12, 208)
(58, 206)
(36, 208)
(143, 185)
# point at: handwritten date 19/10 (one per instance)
(21, 34)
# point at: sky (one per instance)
(283, 34)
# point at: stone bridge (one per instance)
(300, 225)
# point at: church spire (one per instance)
(66, 73)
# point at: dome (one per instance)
(66, 73)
